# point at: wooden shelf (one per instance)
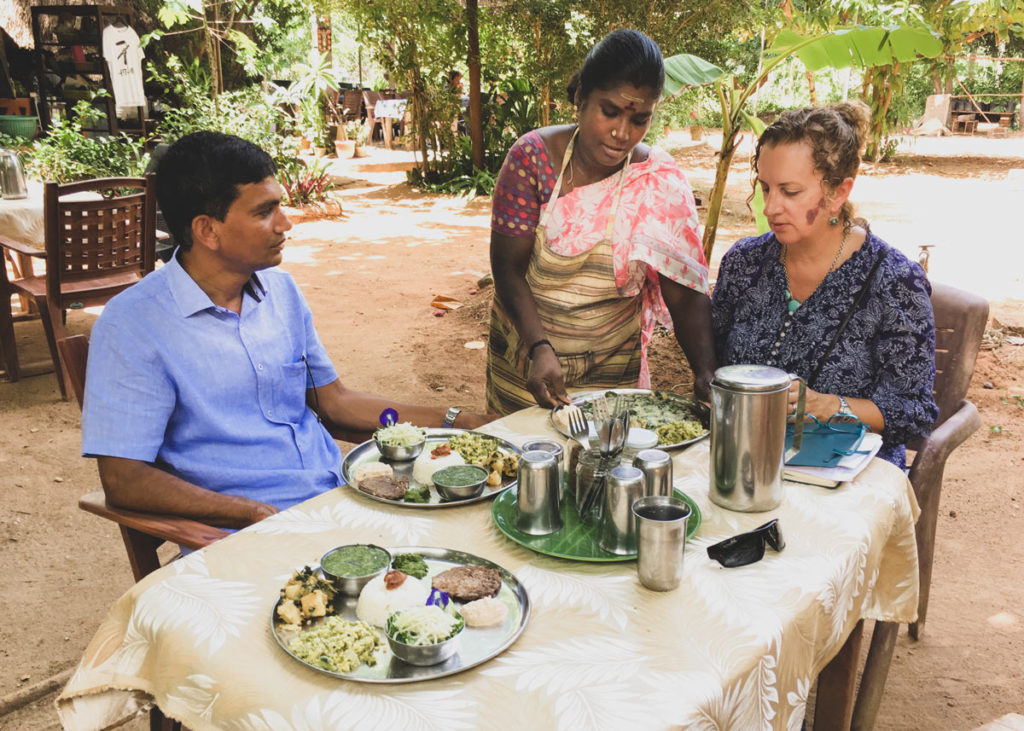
(77, 25)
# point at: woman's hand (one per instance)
(819, 405)
(545, 380)
(702, 386)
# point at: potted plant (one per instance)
(696, 131)
(351, 136)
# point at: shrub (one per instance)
(65, 154)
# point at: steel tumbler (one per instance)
(661, 540)
(539, 493)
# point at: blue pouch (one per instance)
(826, 442)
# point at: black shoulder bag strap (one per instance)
(846, 320)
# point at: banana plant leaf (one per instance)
(683, 71)
(757, 202)
(860, 46)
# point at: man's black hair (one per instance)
(200, 175)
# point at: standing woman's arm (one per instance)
(691, 321)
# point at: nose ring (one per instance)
(615, 133)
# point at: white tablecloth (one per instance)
(731, 648)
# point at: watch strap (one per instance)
(450, 416)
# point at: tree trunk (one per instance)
(810, 87)
(476, 122)
(718, 189)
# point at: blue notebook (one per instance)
(825, 442)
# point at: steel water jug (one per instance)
(12, 176)
(749, 406)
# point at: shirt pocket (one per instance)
(290, 393)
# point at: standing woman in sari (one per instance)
(594, 242)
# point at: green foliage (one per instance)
(9, 142)
(872, 47)
(65, 154)
(247, 113)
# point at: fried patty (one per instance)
(390, 487)
(468, 583)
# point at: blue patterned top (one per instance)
(886, 354)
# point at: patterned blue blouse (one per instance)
(886, 354)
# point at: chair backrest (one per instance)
(370, 99)
(960, 319)
(74, 352)
(352, 104)
(99, 243)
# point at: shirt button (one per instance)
(269, 412)
(259, 366)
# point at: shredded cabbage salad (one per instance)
(400, 435)
(424, 625)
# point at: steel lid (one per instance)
(752, 378)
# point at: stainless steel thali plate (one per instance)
(663, 407)
(476, 644)
(368, 452)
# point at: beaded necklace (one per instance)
(792, 305)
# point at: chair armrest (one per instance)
(20, 247)
(947, 436)
(184, 532)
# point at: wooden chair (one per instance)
(352, 105)
(370, 101)
(960, 319)
(94, 249)
(143, 533)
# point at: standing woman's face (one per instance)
(613, 121)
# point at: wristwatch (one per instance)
(844, 408)
(450, 416)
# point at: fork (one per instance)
(602, 422)
(579, 428)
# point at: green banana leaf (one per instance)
(757, 202)
(861, 46)
(684, 70)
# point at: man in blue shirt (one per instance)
(208, 393)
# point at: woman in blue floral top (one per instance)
(782, 298)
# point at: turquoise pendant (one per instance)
(791, 304)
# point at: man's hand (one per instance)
(545, 379)
(259, 511)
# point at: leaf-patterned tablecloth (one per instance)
(731, 648)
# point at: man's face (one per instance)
(251, 236)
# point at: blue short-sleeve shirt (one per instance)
(214, 397)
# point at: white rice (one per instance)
(376, 602)
(425, 466)
(484, 612)
(371, 469)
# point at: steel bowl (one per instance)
(459, 492)
(396, 453)
(352, 585)
(424, 655)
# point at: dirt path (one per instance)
(370, 277)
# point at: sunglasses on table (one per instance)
(747, 548)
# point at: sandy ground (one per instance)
(370, 275)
